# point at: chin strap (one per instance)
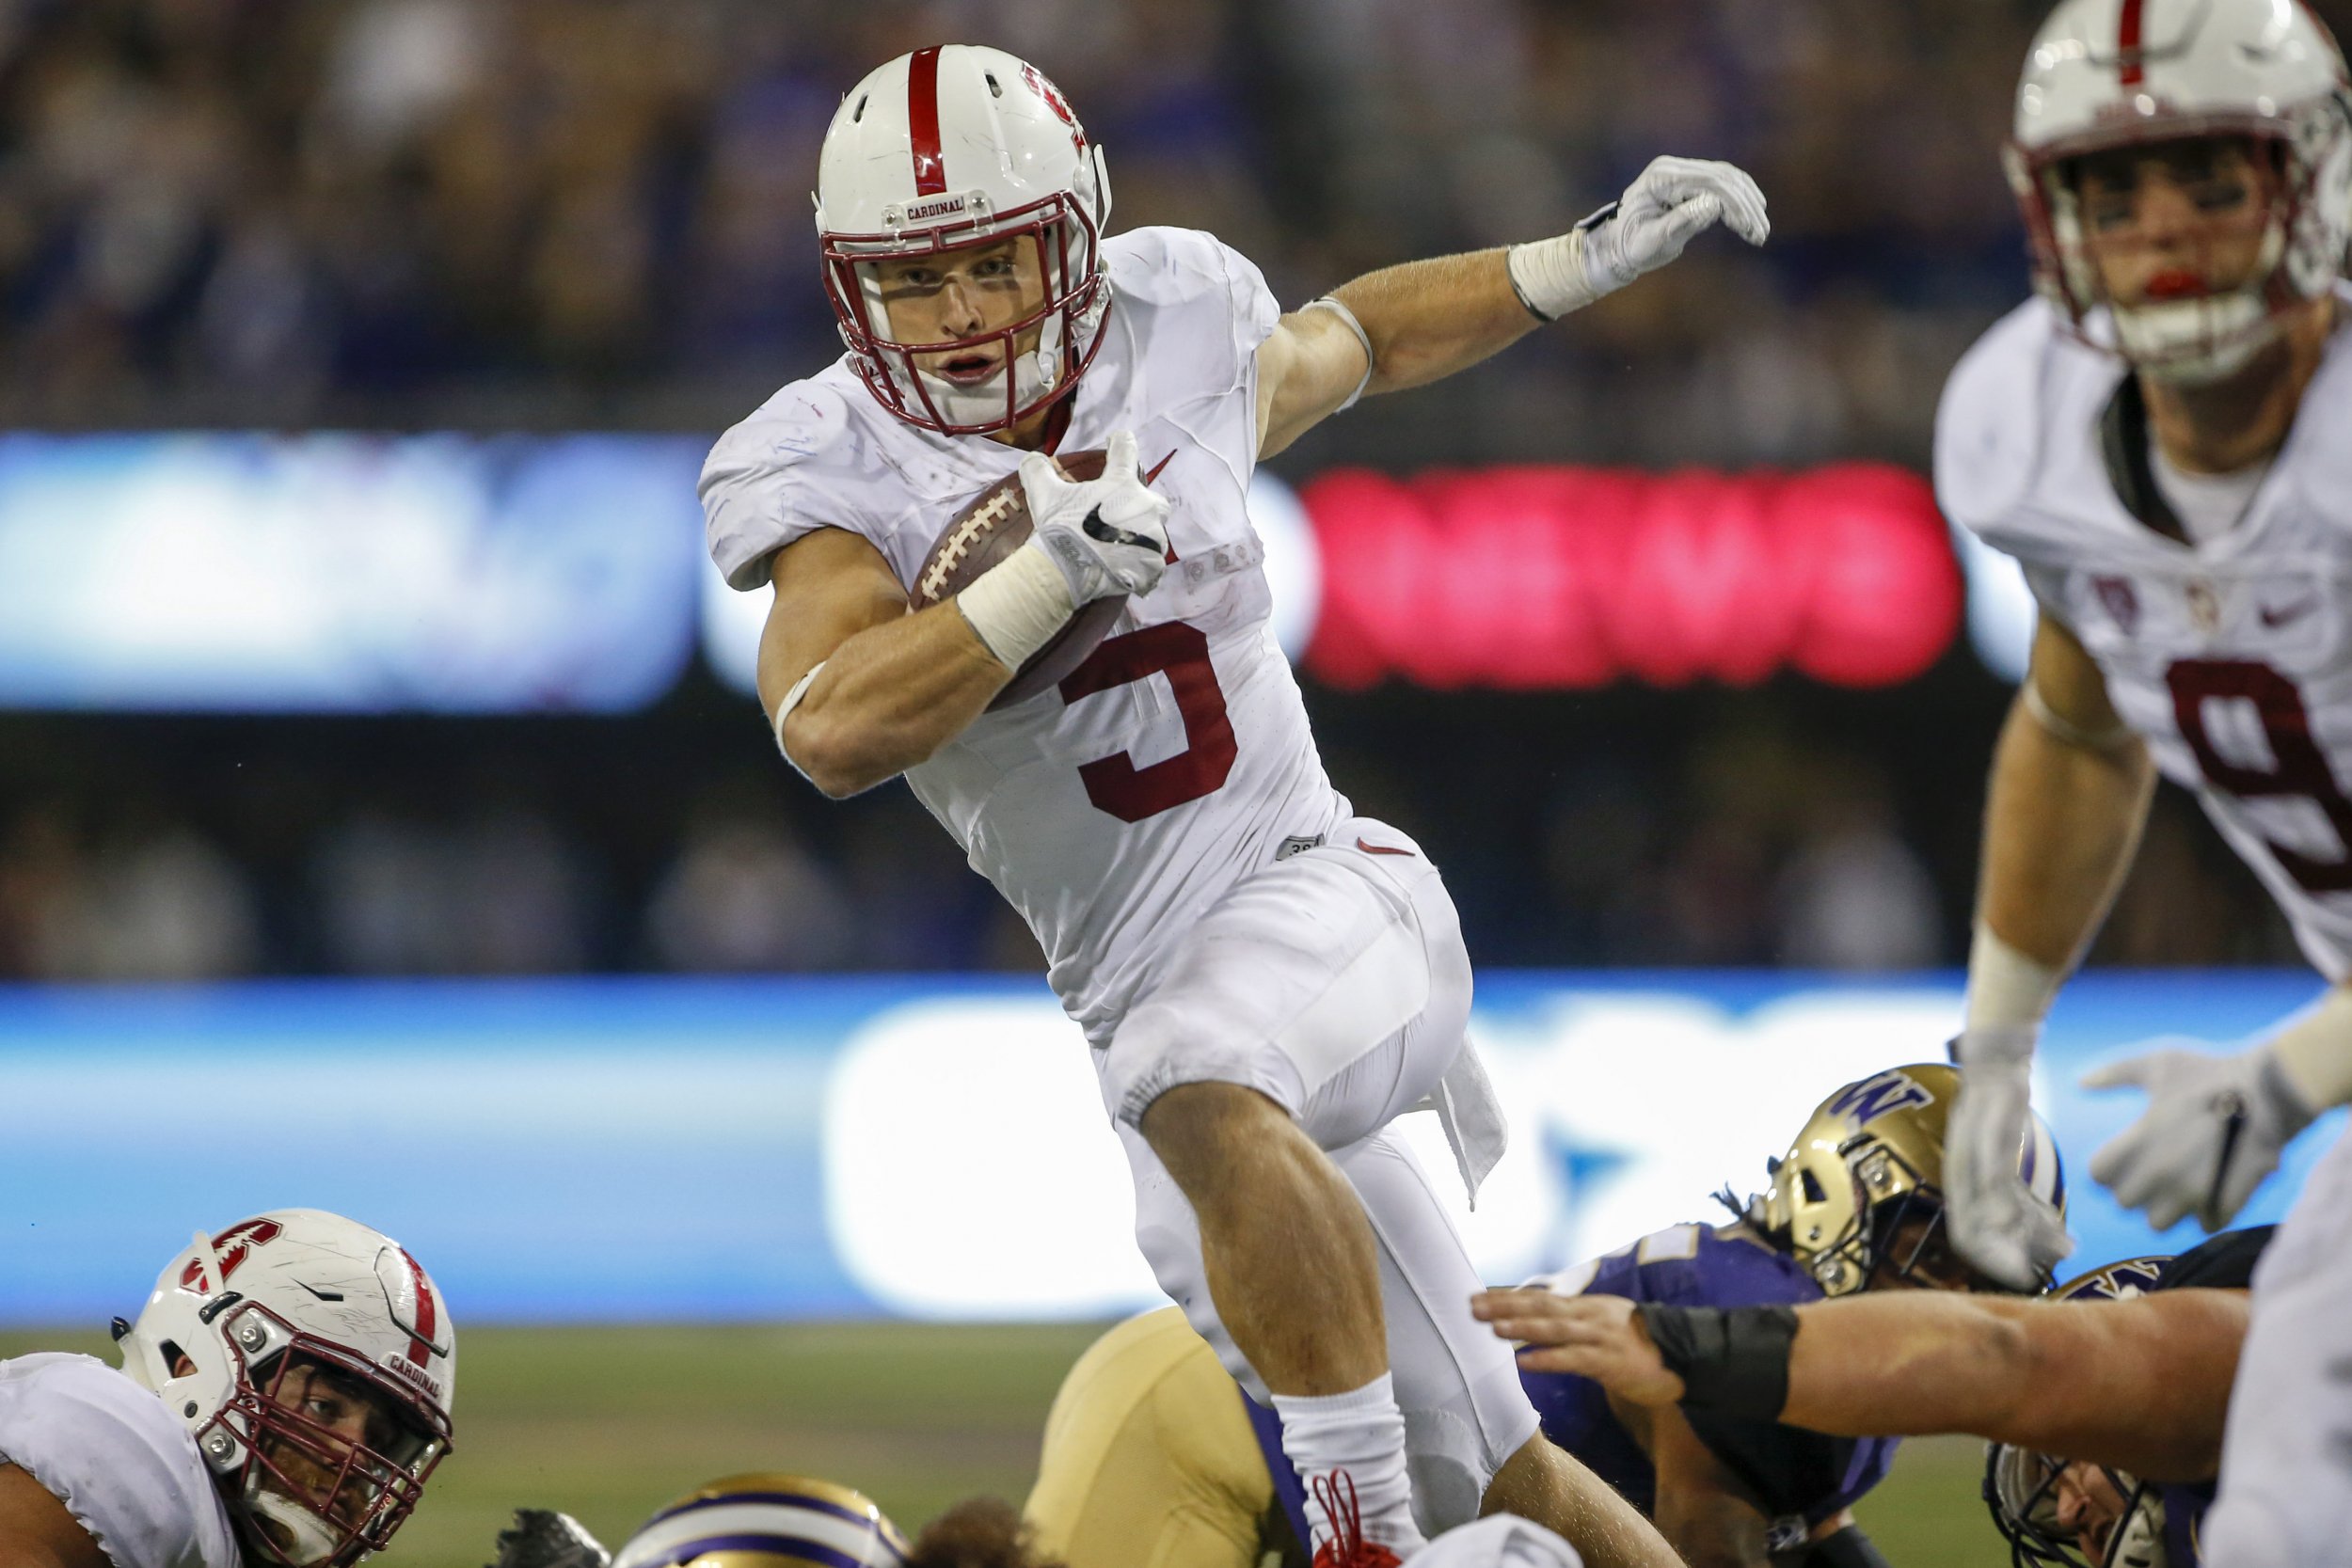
(295, 1533)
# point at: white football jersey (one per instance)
(1176, 756)
(122, 1463)
(2232, 658)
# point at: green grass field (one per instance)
(609, 1423)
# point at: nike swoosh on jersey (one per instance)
(1380, 848)
(2280, 617)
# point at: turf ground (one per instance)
(609, 1423)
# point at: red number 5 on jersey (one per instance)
(2298, 768)
(1181, 653)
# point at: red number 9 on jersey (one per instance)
(2298, 768)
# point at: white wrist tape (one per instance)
(1340, 309)
(2315, 1051)
(2006, 988)
(784, 711)
(1016, 606)
(1550, 275)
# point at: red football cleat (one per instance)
(1347, 1547)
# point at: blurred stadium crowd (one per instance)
(1781, 827)
(540, 211)
(551, 214)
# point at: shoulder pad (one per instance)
(2322, 471)
(1988, 423)
(754, 476)
(123, 1466)
(802, 423)
(1163, 265)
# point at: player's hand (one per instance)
(542, 1538)
(1997, 1223)
(1669, 205)
(2214, 1127)
(1595, 1337)
(1108, 536)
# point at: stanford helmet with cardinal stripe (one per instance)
(956, 146)
(313, 1361)
(2106, 74)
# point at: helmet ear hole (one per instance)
(1814, 1192)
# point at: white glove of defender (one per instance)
(1996, 1222)
(1106, 536)
(1673, 201)
(2214, 1127)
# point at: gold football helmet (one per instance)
(766, 1521)
(1863, 1185)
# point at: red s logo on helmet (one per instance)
(230, 1247)
(1052, 95)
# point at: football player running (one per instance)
(1151, 1453)
(2129, 1387)
(2159, 438)
(282, 1399)
(1265, 979)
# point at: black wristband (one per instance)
(1846, 1548)
(1734, 1361)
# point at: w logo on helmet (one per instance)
(1875, 1097)
(230, 1246)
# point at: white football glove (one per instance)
(2214, 1127)
(1106, 536)
(1996, 1221)
(1673, 201)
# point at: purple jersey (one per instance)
(1801, 1477)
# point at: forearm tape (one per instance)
(1846, 1548)
(1734, 1361)
(1018, 605)
(2314, 1052)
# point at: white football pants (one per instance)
(1335, 982)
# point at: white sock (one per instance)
(1361, 1432)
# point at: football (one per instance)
(992, 526)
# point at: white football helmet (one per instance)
(2021, 1485)
(766, 1521)
(2112, 73)
(949, 147)
(338, 1322)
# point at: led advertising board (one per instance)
(686, 1148)
(339, 573)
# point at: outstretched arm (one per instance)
(1417, 323)
(2140, 1384)
(2069, 792)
